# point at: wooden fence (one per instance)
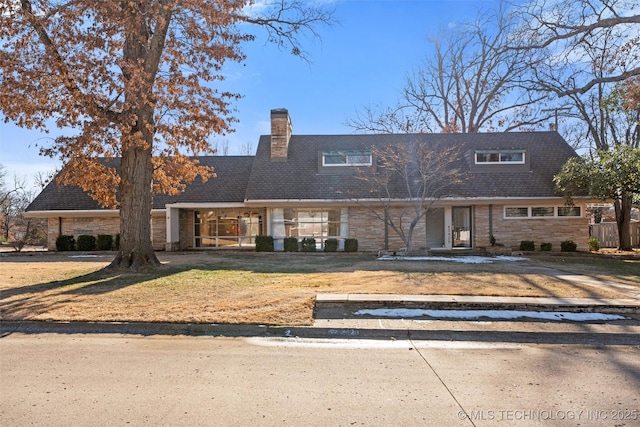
(607, 234)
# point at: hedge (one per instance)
(351, 245)
(65, 243)
(308, 244)
(264, 243)
(104, 242)
(290, 244)
(331, 245)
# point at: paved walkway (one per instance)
(467, 302)
(581, 279)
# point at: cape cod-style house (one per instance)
(308, 186)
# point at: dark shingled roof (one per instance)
(229, 186)
(298, 177)
(256, 178)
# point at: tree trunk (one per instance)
(136, 170)
(623, 219)
(136, 198)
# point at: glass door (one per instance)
(461, 224)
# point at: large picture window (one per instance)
(224, 228)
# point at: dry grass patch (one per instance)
(277, 289)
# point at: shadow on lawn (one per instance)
(98, 282)
(26, 301)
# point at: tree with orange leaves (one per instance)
(135, 80)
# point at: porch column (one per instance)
(277, 228)
(448, 230)
(173, 229)
(344, 227)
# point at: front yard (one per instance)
(275, 289)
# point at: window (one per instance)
(542, 212)
(346, 158)
(500, 156)
(312, 223)
(516, 212)
(219, 228)
(569, 211)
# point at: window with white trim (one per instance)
(515, 212)
(493, 157)
(346, 158)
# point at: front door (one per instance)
(435, 228)
(461, 226)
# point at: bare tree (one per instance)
(563, 31)
(14, 199)
(587, 52)
(469, 82)
(221, 148)
(41, 178)
(246, 148)
(408, 180)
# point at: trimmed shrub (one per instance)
(545, 246)
(290, 244)
(86, 242)
(568, 246)
(264, 243)
(527, 245)
(118, 241)
(104, 242)
(331, 245)
(308, 244)
(351, 245)
(65, 243)
(594, 244)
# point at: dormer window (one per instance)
(346, 158)
(492, 157)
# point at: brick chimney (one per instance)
(280, 133)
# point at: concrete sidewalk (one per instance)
(467, 302)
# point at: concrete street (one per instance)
(65, 379)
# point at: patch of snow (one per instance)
(460, 259)
(511, 258)
(492, 314)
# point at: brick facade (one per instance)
(280, 133)
(77, 226)
(510, 232)
(369, 229)
(365, 226)
(94, 226)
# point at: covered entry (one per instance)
(449, 227)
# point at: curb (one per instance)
(291, 334)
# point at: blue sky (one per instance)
(363, 59)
